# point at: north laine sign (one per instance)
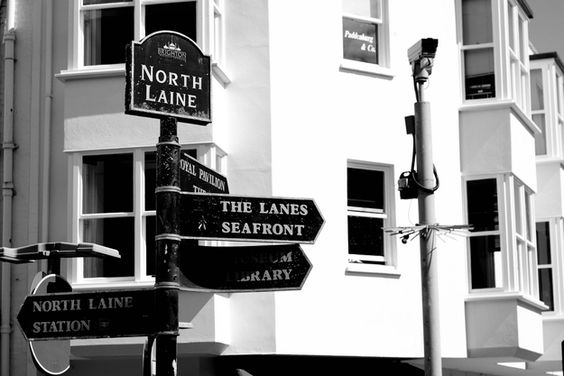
(168, 75)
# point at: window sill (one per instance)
(101, 71)
(366, 68)
(220, 75)
(500, 295)
(109, 284)
(389, 271)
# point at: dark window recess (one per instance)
(365, 188)
(115, 233)
(482, 205)
(150, 245)
(543, 243)
(545, 288)
(480, 86)
(179, 17)
(366, 236)
(107, 32)
(482, 260)
(108, 183)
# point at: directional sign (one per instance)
(239, 269)
(95, 314)
(195, 177)
(226, 217)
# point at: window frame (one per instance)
(209, 154)
(383, 67)
(553, 227)
(206, 36)
(511, 64)
(389, 260)
(516, 223)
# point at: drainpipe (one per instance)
(8, 147)
(48, 98)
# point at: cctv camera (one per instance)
(424, 48)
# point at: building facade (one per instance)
(309, 100)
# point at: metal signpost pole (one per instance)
(167, 242)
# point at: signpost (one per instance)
(196, 177)
(168, 76)
(267, 219)
(95, 314)
(245, 268)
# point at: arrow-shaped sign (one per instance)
(196, 177)
(95, 314)
(267, 219)
(247, 268)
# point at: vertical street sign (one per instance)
(168, 75)
(196, 177)
(245, 268)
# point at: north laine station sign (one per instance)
(168, 76)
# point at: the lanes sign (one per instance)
(168, 76)
(96, 314)
(196, 177)
(245, 268)
(267, 219)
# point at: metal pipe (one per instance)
(8, 147)
(46, 159)
(429, 272)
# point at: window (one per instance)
(494, 50)
(500, 211)
(370, 209)
(478, 49)
(105, 27)
(365, 34)
(485, 247)
(545, 267)
(114, 206)
(538, 110)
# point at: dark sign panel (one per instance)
(95, 314)
(242, 269)
(168, 75)
(226, 217)
(195, 177)
(360, 40)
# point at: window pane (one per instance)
(511, 26)
(106, 33)
(108, 183)
(115, 233)
(485, 260)
(482, 205)
(363, 8)
(93, 2)
(543, 243)
(479, 73)
(150, 227)
(360, 40)
(545, 288)
(476, 21)
(540, 139)
(150, 180)
(365, 188)
(179, 17)
(366, 236)
(537, 90)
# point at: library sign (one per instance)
(168, 76)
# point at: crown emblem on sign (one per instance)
(171, 46)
